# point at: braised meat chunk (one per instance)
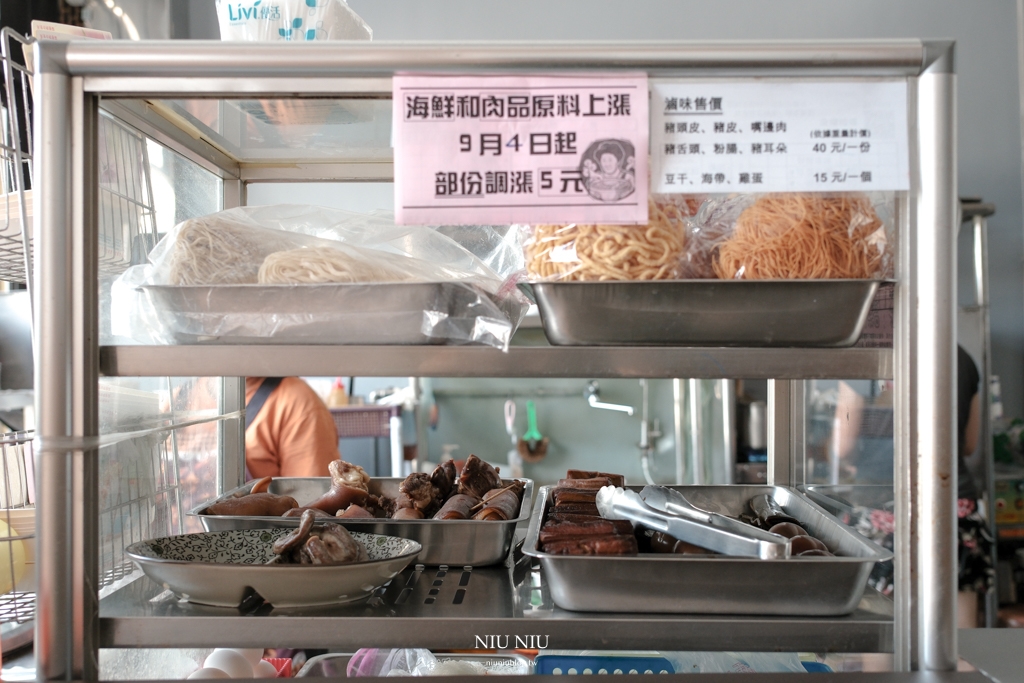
(418, 492)
(330, 544)
(478, 478)
(253, 505)
(593, 545)
(444, 477)
(459, 506)
(616, 479)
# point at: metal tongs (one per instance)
(663, 509)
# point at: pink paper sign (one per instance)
(475, 149)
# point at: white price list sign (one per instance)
(767, 136)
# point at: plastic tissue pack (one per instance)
(296, 20)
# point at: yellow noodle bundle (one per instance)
(802, 237)
(611, 252)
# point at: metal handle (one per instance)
(510, 419)
(593, 395)
(711, 531)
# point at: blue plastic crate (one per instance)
(573, 665)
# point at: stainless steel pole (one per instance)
(84, 380)
(905, 592)
(53, 325)
(779, 437)
(980, 225)
(66, 362)
(797, 432)
(728, 389)
(231, 433)
(696, 433)
(932, 386)
(677, 426)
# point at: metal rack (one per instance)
(17, 543)
(16, 161)
(126, 209)
(130, 78)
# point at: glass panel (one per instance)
(850, 451)
(361, 197)
(289, 129)
(145, 190)
(151, 475)
(849, 432)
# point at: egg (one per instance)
(207, 673)
(253, 655)
(264, 669)
(788, 529)
(799, 544)
(230, 662)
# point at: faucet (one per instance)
(593, 395)
(649, 435)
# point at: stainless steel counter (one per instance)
(996, 652)
(442, 609)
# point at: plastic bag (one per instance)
(290, 20)
(409, 662)
(613, 252)
(734, 662)
(791, 236)
(292, 273)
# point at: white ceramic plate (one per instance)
(217, 568)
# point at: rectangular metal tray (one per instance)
(377, 313)
(810, 586)
(819, 313)
(841, 499)
(451, 542)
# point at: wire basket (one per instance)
(126, 208)
(17, 539)
(15, 159)
(148, 480)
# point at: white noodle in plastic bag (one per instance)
(305, 274)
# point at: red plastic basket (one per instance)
(363, 421)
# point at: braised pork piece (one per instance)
(329, 544)
(477, 478)
(573, 526)
(476, 492)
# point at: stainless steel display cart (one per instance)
(142, 85)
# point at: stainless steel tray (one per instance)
(809, 586)
(841, 499)
(826, 313)
(452, 542)
(378, 313)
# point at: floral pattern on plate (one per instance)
(249, 546)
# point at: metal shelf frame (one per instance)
(70, 81)
(505, 601)
(520, 361)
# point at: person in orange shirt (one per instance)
(289, 432)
